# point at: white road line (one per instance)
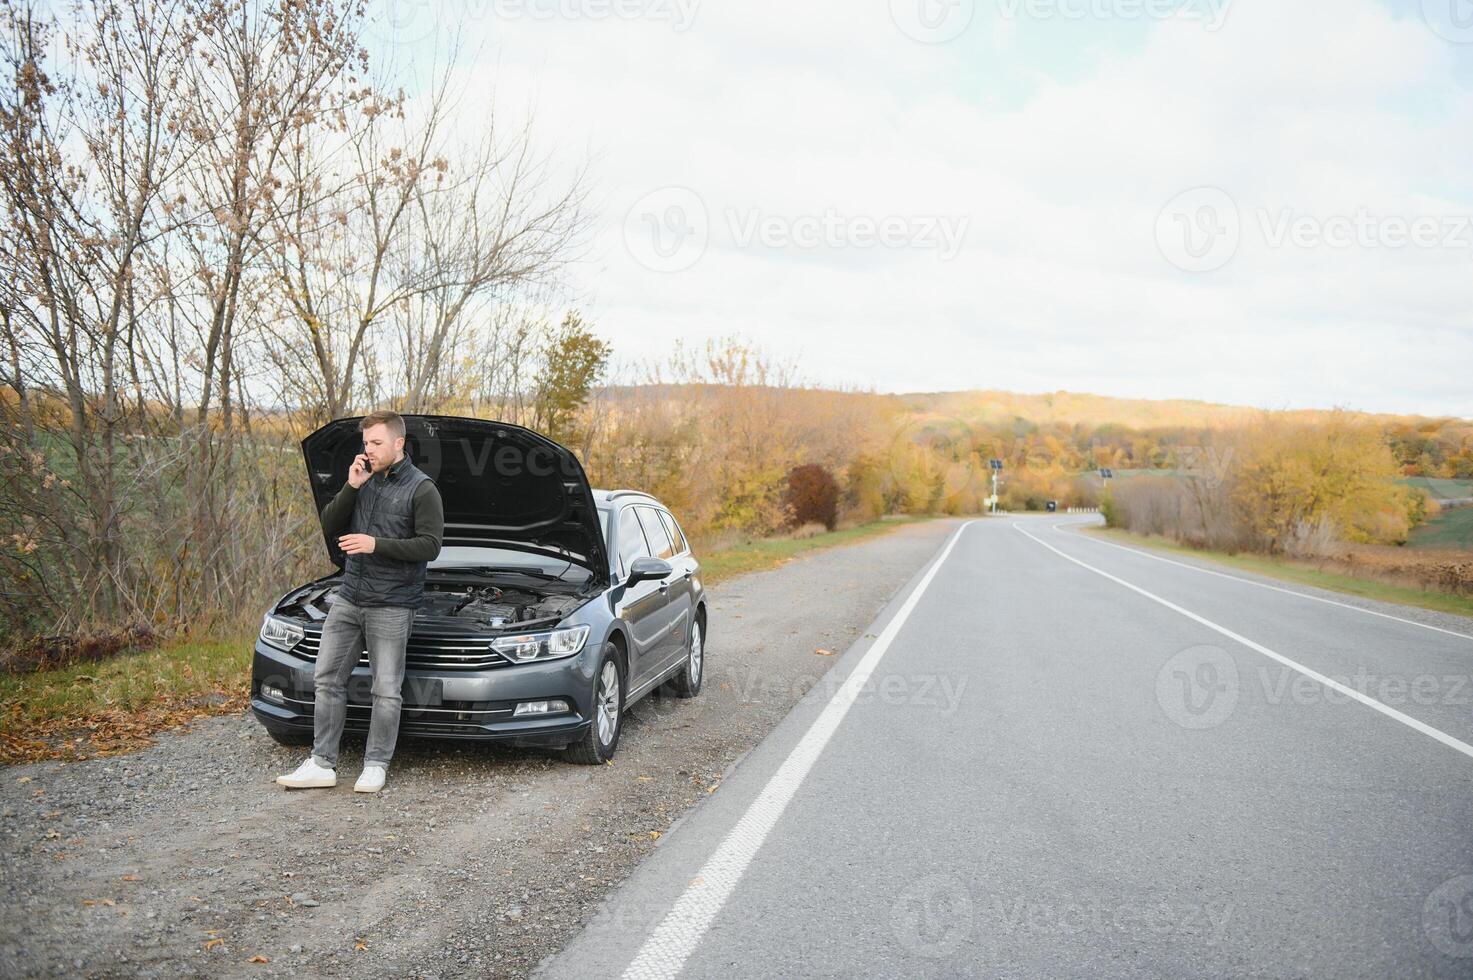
(665, 951)
(1261, 585)
(1334, 685)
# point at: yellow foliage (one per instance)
(1294, 473)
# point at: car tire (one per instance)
(602, 737)
(289, 737)
(687, 683)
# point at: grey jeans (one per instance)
(346, 633)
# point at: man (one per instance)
(394, 523)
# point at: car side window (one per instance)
(632, 544)
(676, 538)
(655, 533)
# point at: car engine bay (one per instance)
(459, 604)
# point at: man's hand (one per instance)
(357, 544)
(359, 472)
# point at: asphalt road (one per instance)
(1053, 757)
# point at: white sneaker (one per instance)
(309, 775)
(371, 781)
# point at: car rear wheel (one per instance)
(598, 743)
(687, 683)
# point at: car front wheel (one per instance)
(598, 743)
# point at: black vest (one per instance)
(385, 509)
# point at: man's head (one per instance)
(383, 439)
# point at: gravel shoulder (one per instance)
(187, 860)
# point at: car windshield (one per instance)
(507, 559)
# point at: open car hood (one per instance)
(502, 485)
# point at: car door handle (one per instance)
(688, 573)
(664, 588)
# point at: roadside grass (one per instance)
(113, 706)
(1304, 573)
(760, 554)
(1440, 488)
(1453, 528)
(117, 705)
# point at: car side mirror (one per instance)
(648, 568)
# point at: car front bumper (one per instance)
(437, 703)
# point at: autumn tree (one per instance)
(573, 362)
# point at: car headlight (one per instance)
(280, 633)
(541, 646)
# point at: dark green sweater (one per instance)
(429, 523)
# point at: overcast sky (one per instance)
(1265, 202)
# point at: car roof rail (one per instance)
(632, 493)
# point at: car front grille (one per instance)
(437, 651)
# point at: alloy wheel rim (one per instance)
(608, 702)
(695, 653)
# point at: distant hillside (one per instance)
(1060, 407)
(1070, 408)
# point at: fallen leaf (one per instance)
(258, 958)
(822, 652)
(654, 835)
(131, 878)
(361, 944)
(644, 779)
(211, 943)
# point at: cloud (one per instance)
(1056, 143)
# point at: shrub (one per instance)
(812, 497)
